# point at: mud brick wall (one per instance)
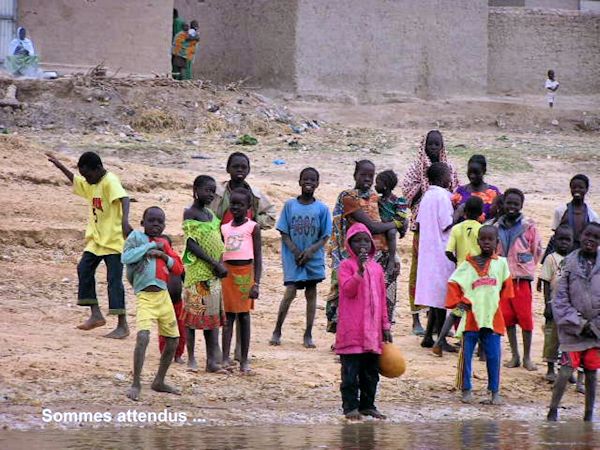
(133, 35)
(523, 44)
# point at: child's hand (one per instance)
(548, 311)
(587, 332)
(304, 257)
(219, 270)
(52, 158)
(157, 254)
(127, 229)
(254, 291)
(362, 259)
(387, 336)
(159, 245)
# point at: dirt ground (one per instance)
(47, 364)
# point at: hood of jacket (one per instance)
(354, 230)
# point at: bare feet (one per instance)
(245, 368)
(308, 342)
(118, 333)
(467, 397)
(134, 392)
(353, 416)
(373, 413)
(552, 415)
(514, 362)
(449, 348)
(529, 365)
(92, 323)
(418, 330)
(163, 387)
(275, 339)
(179, 360)
(550, 377)
(193, 365)
(427, 342)
(494, 399)
(216, 368)
(580, 387)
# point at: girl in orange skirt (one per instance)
(243, 260)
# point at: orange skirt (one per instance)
(236, 288)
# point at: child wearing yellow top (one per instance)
(462, 243)
(108, 226)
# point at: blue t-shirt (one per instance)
(305, 224)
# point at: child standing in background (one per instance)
(150, 259)
(520, 243)
(203, 304)
(391, 209)
(362, 324)
(551, 87)
(243, 260)
(434, 220)
(551, 270)
(462, 243)
(305, 227)
(175, 286)
(576, 311)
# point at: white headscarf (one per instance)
(26, 43)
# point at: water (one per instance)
(474, 435)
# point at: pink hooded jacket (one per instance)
(523, 248)
(362, 310)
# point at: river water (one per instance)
(506, 435)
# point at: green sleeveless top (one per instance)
(208, 236)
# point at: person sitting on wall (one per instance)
(21, 59)
(184, 49)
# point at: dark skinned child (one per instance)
(462, 243)
(478, 286)
(576, 312)
(175, 287)
(108, 226)
(203, 303)
(520, 243)
(551, 271)
(551, 85)
(243, 260)
(150, 259)
(305, 227)
(392, 209)
(362, 324)
(360, 205)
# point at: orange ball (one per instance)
(391, 361)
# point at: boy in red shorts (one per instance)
(576, 311)
(520, 243)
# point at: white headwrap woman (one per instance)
(21, 59)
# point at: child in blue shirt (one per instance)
(305, 227)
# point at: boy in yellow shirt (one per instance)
(462, 243)
(108, 225)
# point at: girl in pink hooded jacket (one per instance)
(362, 324)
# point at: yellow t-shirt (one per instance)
(463, 240)
(104, 233)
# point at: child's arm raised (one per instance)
(60, 166)
(373, 226)
(257, 244)
(136, 248)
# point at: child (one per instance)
(174, 286)
(149, 260)
(243, 260)
(551, 86)
(435, 221)
(391, 209)
(496, 210)
(108, 226)
(305, 227)
(551, 270)
(519, 243)
(478, 286)
(203, 305)
(462, 243)
(575, 308)
(361, 205)
(362, 324)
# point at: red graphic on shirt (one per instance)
(97, 203)
(485, 281)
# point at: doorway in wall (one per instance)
(8, 20)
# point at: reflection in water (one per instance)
(504, 435)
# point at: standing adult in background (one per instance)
(183, 51)
(21, 59)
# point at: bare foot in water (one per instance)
(193, 365)
(529, 365)
(308, 342)
(373, 413)
(353, 416)
(134, 392)
(92, 323)
(275, 339)
(118, 333)
(163, 387)
(179, 360)
(514, 362)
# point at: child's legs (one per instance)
(116, 290)
(178, 307)
(86, 273)
(213, 358)
(311, 307)
(448, 322)
(469, 342)
(288, 296)
(550, 342)
(491, 346)
(368, 378)
(244, 319)
(139, 354)
(349, 384)
(227, 334)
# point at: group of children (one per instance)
(477, 256)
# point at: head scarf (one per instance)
(416, 181)
(17, 43)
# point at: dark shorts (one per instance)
(302, 284)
